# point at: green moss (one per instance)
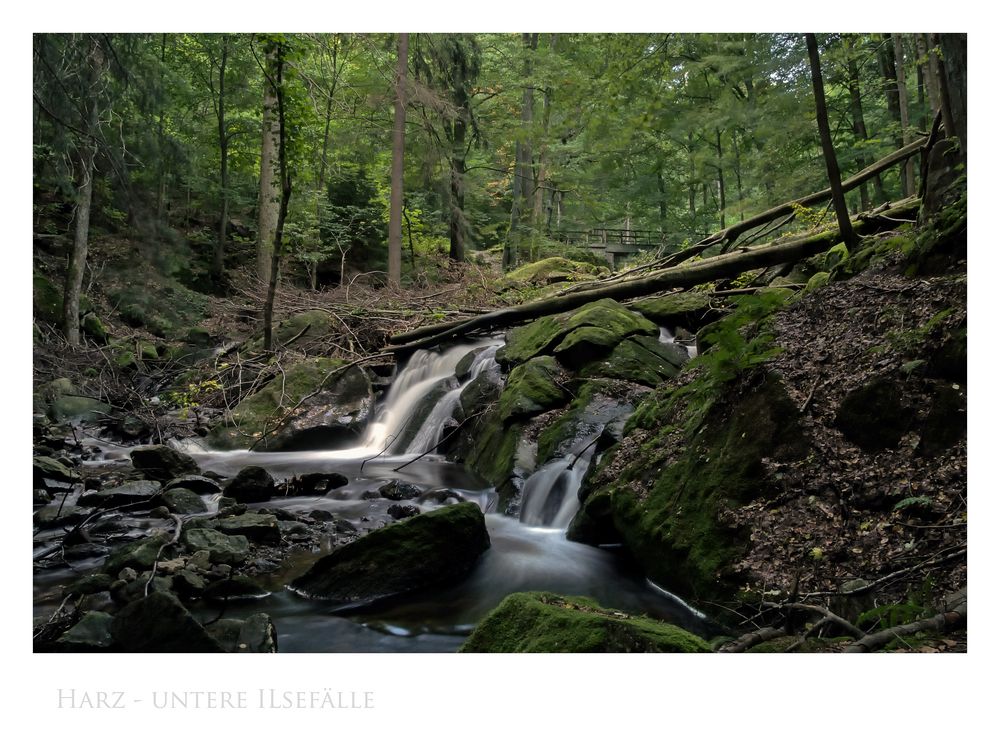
(669, 309)
(532, 388)
(668, 503)
(549, 623)
(259, 412)
(320, 325)
(554, 269)
(494, 453)
(641, 363)
(818, 280)
(47, 300)
(544, 335)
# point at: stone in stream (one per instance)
(251, 485)
(200, 484)
(159, 623)
(47, 468)
(549, 623)
(398, 490)
(91, 634)
(234, 588)
(259, 528)
(402, 511)
(183, 501)
(316, 483)
(135, 493)
(431, 549)
(138, 554)
(221, 548)
(255, 634)
(160, 462)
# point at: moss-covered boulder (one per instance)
(183, 501)
(548, 623)
(94, 328)
(304, 407)
(532, 388)
(47, 468)
(675, 308)
(91, 634)
(668, 486)
(221, 548)
(434, 548)
(553, 270)
(543, 336)
(641, 360)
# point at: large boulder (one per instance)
(252, 484)
(430, 549)
(159, 623)
(49, 469)
(548, 623)
(91, 634)
(329, 411)
(160, 462)
(532, 388)
(544, 336)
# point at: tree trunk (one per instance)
(860, 129)
(953, 72)
(721, 179)
(909, 186)
(661, 190)
(396, 180)
(456, 218)
(161, 162)
(267, 204)
(286, 195)
(726, 266)
(829, 156)
(219, 261)
(738, 171)
(84, 194)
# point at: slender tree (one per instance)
(267, 203)
(909, 186)
(219, 260)
(396, 180)
(829, 156)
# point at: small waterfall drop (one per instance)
(668, 337)
(550, 497)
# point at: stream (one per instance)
(529, 552)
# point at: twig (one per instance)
(809, 397)
(172, 541)
(747, 641)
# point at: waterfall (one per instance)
(550, 497)
(667, 337)
(426, 372)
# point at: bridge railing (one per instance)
(599, 236)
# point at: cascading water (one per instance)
(531, 553)
(668, 337)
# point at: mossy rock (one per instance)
(667, 506)
(320, 323)
(334, 413)
(543, 336)
(648, 363)
(553, 270)
(532, 388)
(818, 280)
(674, 308)
(159, 623)
(493, 453)
(73, 409)
(549, 623)
(430, 549)
(94, 328)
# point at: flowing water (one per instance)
(530, 553)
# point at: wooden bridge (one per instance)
(615, 244)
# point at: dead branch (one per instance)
(943, 622)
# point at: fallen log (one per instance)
(727, 265)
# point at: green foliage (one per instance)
(913, 502)
(918, 605)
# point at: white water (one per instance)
(550, 497)
(667, 337)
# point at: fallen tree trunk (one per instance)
(727, 265)
(732, 233)
(942, 622)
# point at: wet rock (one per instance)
(255, 634)
(159, 623)
(183, 501)
(123, 592)
(293, 528)
(91, 583)
(200, 484)
(548, 623)
(91, 634)
(430, 549)
(647, 361)
(40, 496)
(321, 515)
(52, 516)
(199, 561)
(47, 468)
(189, 584)
(259, 528)
(371, 493)
(137, 555)
(160, 513)
(441, 497)
(135, 493)
(160, 462)
(229, 507)
(222, 548)
(398, 490)
(234, 588)
(316, 483)
(251, 485)
(402, 511)
(84, 551)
